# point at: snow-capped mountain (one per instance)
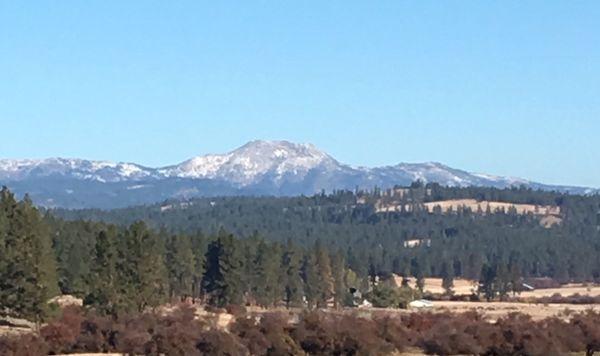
(15, 170)
(253, 161)
(257, 168)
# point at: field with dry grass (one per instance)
(494, 310)
(565, 291)
(483, 206)
(474, 205)
(464, 287)
(434, 285)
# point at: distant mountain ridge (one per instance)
(257, 168)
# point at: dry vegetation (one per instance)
(182, 332)
(565, 291)
(495, 310)
(462, 287)
(236, 330)
(550, 213)
(493, 206)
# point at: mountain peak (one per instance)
(280, 149)
(253, 160)
(262, 145)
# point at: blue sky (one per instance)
(505, 87)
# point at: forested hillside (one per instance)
(376, 242)
(295, 251)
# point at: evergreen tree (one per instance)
(447, 274)
(503, 280)
(487, 283)
(325, 286)
(293, 284)
(249, 271)
(311, 279)
(338, 270)
(222, 279)
(180, 265)
(143, 276)
(515, 279)
(8, 205)
(199, 250)
(74, 269)
(268, 287)
(103, 291)
(28, 274)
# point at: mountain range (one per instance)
(274, 168)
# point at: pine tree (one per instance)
(447, 274)
(199, 250)
(325, 278)
(249, 271)
(28, 271)
(293, 284)
(103, 291)
(142, 272)
(75, 270)
(222, 279)
(180, 265)
(487, 283)
(338, 270)
(268, 287)
(7, 206)
(417, 272)
(515, 278)
(311, 279)
(503, 278)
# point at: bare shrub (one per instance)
(136, 336)
(177, 334)
(217, 342)
(458, 334)
(61, 335)
(23, 345)
(236, 310)
(97, 334)
(315, 333)
(589, 326)
(329, 334)
(394, 331)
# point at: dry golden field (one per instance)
(566, 291)
(434, 285)
(474, 205)
(496, 310)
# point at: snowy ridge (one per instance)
(253, 161)
(101, 171)
(258, 167)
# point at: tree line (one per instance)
(459, 243)
(117, 270)
(304, 251)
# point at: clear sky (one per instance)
(504, 87)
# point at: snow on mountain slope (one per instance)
(252, 161)
(12, 170)
(259, 167)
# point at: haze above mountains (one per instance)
(258, 168)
